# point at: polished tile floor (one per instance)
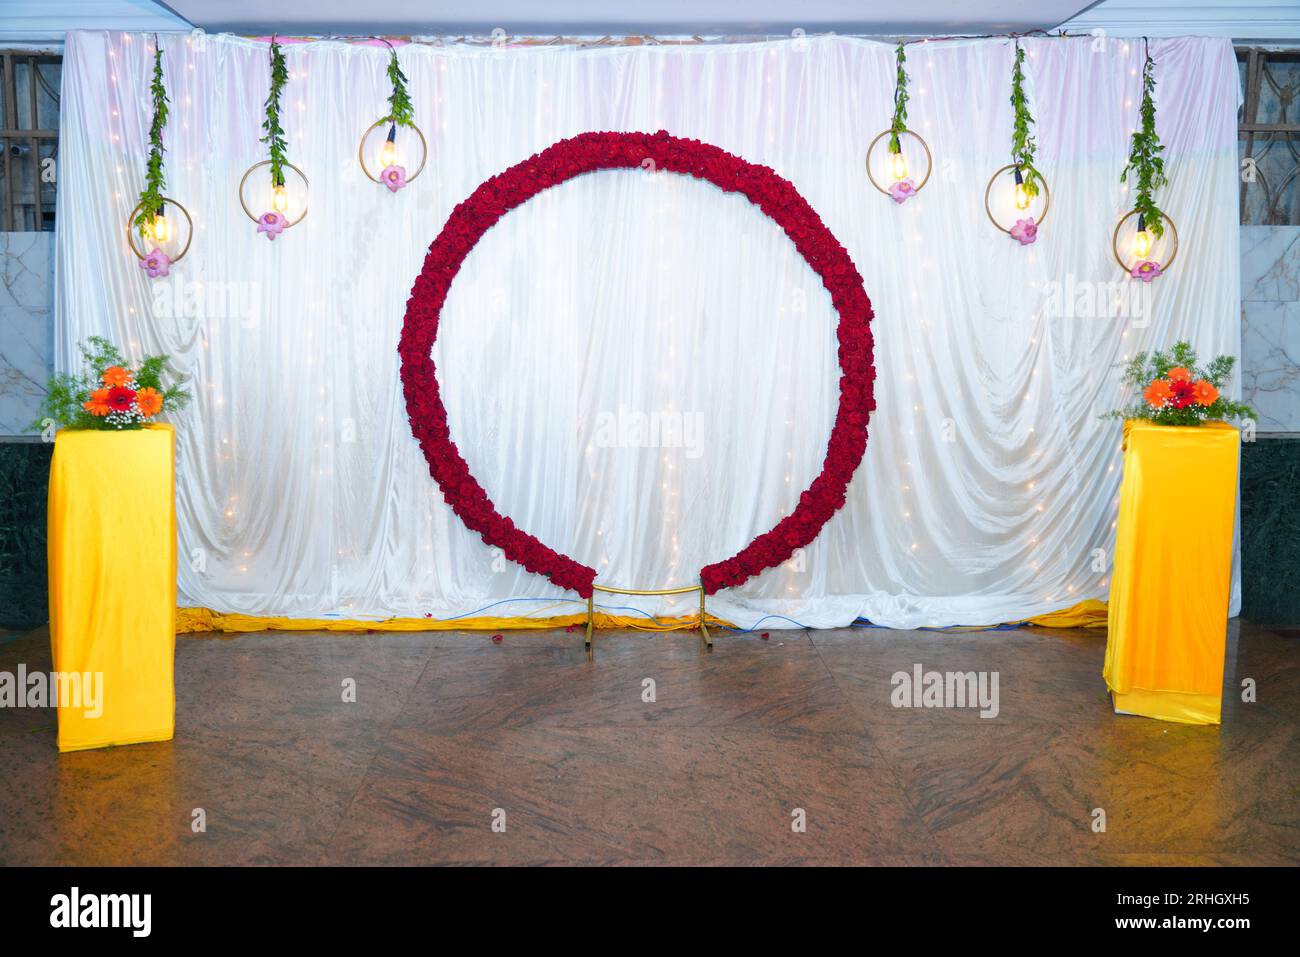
(452, 732)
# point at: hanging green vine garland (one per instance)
(899, 125)
(1022, 141)
(155, 180)
(1144, 157)
(400, 109)
(273, 132)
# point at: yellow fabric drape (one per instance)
(1086, 614)
(1089, 613)
(112, 563)
(1173, 557)
(205, 619)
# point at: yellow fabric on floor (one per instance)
(112, 563)
(204, 619)
(1089, 613)
(1086, 614)
(1173, 557)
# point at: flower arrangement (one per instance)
(109, 395)
(1176, 391)
(585, 153)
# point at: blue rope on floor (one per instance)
(754, 627)
(1005, 626)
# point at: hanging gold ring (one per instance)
(1114, 242)
(252, 169)
(131, 231)
(929, 160)
(1047, 197)
(361, 150)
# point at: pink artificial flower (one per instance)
(156, 264)
(1025, 231)
(903, 190)
(1146, 270)
(394, 177)
(272, 223)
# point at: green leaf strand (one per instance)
(155, 178)
(1144, 159)
(1022, 141)
(273, 134)
(899, 126)
(400, 109)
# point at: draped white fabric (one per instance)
(639, 368)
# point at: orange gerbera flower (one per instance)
(1179, 374)
(1204, 393)
(115, 376)
(97, 404)
(1157, 393)
(149, 401)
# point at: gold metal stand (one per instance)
(610, 590)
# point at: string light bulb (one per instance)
(899, 166)
(161, 231)
(1142, 238)
(388, 152)
(280, 198)
(1022, 194)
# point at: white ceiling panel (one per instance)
(44, 22)
(599, 17)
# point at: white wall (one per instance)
(26, 326)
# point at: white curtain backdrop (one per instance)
(639, 368)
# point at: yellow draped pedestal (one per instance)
(1168, 610)
(112, 557)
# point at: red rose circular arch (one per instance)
(586, 153)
